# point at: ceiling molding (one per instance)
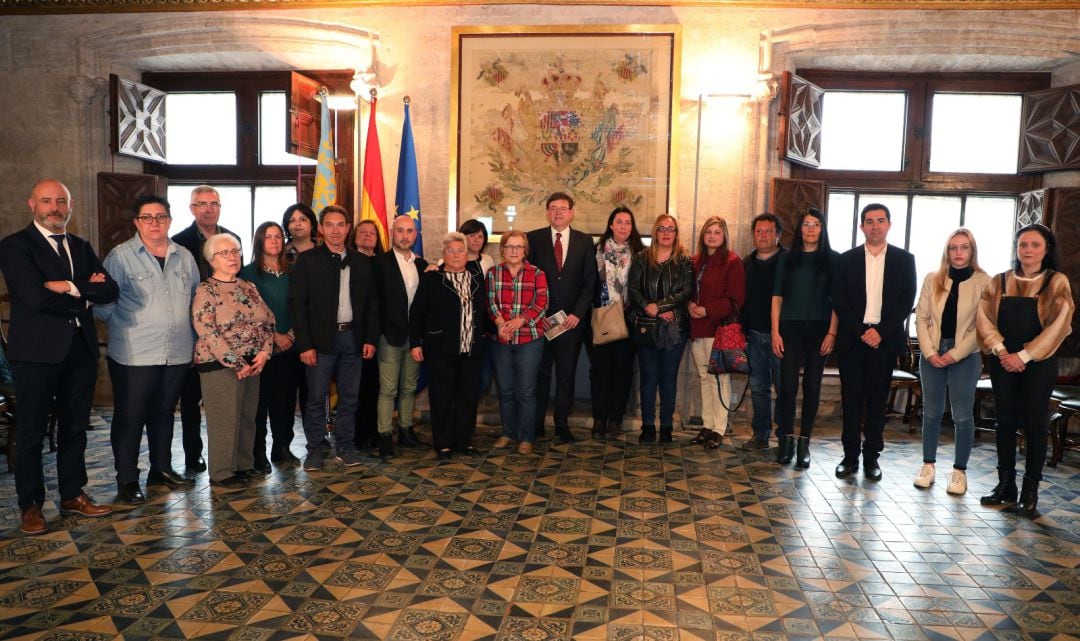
(144, 6)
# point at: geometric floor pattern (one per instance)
(592, 541)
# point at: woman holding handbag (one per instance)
(660, 283)
(612, 362)
(803, 331)
(719, 294)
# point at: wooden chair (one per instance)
(1059, 430)
(906, 377)
(10, 410)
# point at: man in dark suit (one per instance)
(205, 206)
(335, 314)
(53, 278)
(873, 291)
(397, 273)
(568, 259)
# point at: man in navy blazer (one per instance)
(873, 291)
(568, 259)
(53, 278)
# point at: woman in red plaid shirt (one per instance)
(517, 300)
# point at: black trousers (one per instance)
(278, 386)
(864, 389)
(1023, 399)
(802, 348)
(71, 383)
(563, 353)
(143, 396)
(453, 390)
(191, 415)
(367, 405)
(611, 376)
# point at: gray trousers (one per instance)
(230, 406)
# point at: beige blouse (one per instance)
(1055, 313)
(231, 322)
(932, 305)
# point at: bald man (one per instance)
(54, 278)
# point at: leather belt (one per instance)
(344, 327)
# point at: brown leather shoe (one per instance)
(33, 521)
(84, 505)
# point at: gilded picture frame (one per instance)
(586, 110)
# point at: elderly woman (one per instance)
(235, 331)
(446, 326)
(516, 302)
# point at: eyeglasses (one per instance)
(455, 251)
(514, 248)
(160, 219)
(558, 210)
(203, 204)
(811, 225)
(227, 253)
(669, 230)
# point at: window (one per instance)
(232, 131)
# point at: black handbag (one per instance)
(646, 330)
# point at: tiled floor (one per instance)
(590, 541)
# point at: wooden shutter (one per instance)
(799, 139)
(305, 116)
(116, 194)
(136, 120)
(1050, 130)
(792, 198)
(1030, 208)
(1061, 211)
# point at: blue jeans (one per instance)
(345, 364)
(764, 378)
(960, 379)
(516, 368)
(659, 368)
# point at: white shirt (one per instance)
(875, 283)
(564, 241)
(344, 301)
(73, 291)
(407, 267)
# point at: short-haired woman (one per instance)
(660, 283)
(301, 230)
(1024, 315)
(235, 337)
(446, 327)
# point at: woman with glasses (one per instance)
(611, 370)
(516, 302)
(803, 332)
(719, 294)
(280, 380)
(235, 338)
(446, 326)
(1024, 316)
(660, 283)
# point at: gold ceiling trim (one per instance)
(10, 7)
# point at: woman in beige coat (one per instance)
(950, 361)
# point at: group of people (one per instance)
(323, 302)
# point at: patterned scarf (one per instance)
(613, 263)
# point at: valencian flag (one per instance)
(325, 192)
(407, 198)
(373, 196)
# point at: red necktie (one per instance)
(558, 251)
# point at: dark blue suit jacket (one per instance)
(897, 298)
(43, 322)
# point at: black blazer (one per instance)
(314, 284)
(897, 298)
(572, 289)
(191, 239)
(393, 300)
(43, 322)
(435, 315)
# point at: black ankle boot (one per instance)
(648, 434)
(406, 438)
(665, 433)
(599, 429)
(386, 445)
(1029, 497)
(785, 449)
(1004, 491)
(802, 459)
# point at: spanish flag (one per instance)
(325, 192)
(373, 197)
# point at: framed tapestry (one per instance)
(585, 110)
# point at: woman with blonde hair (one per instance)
(950, 361)
(719, 293)
(660, 283)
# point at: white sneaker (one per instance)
(957, 482)
(926, 476)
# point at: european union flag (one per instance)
(407, 198)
